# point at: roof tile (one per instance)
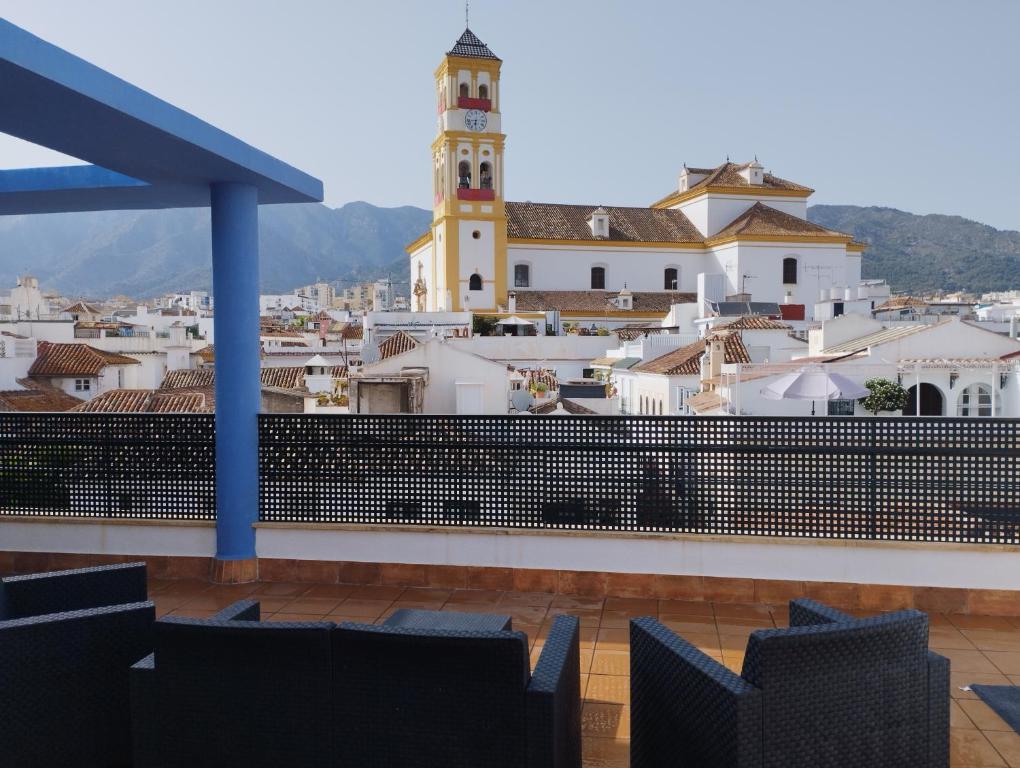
(60, 359)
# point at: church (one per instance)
(742, 228)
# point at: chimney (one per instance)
(754, 173)
(716, 356)
(848, 294)
(599, 222)
(511, 302)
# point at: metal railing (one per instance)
(908, 479)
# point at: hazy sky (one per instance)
(914, 105)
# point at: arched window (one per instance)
(672, 279)
(464, 174)
(598, 278)
(465, 90)
(485, 176)
(790, 270)
(483, 91)
(522, 276)
(475, 283)
(976, 400)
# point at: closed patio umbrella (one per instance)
(813, 384)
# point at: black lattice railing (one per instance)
(108, 465)
(944, 479)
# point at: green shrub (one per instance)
(885, 396)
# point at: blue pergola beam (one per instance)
(54, 99)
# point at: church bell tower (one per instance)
(468, 215)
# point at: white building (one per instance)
(736, 220)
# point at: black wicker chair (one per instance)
(448, 698)
(830, 691)
(67, 642)
(231, 690)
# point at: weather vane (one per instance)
(467, 4)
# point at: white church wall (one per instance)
(818, 266)
(477, 256)
(711, 212)
(568, 268)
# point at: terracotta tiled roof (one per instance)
(541, 375)
(147, 401)
(188, 378)
(549, 221)
(280, 333)
(207, 353)
(396, 344)
(761, 219)
(568, 405)
(900, 302)
(753, 323)
(283, 378)
(352, 332)
(37, 397)
(728, 175)
(599, 301)
(471, 47)
(80, 307)
(686, 361)
(629, 334)
(704, 401)
(74, 360)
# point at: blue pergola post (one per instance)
(235, 247)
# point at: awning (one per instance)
(604, 362)
(626, 362)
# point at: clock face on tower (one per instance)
(475, 120)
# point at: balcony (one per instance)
(465, 102)
(467, 193)
(710, 525)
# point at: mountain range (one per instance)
(147, 253)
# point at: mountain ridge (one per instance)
(147, 253)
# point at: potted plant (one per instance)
(886, 397)
(540, 389)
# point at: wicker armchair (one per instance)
(449, 698)
(67, 641)
(828, 692)
(231, 690)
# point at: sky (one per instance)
(913, 105)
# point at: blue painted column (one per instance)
(235, 257)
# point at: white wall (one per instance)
(710, 213)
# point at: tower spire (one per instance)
(467, 4)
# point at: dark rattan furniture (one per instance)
(831, 691)
(446, 698)
(415, 618)
(67, 641)
(231, 690)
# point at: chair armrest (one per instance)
(144, 713)
(242, 610)
(938, 711)
(554, 699)
(683, 702)
(804, 612)
(37, 594)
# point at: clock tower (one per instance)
(468, 215)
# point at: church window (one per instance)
(671, 279)
(598, 278)
(464, 90)
(475, 283)
(522, 276)
(464, 174)
(790, 270)
(485, 175)
(483, 91)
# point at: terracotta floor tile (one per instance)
(705, 641)
(542, 599)
(284, 616)
(156, 585)
(185, 587)
(970, 749)
(1007, 744)
(281, 589)
(993, 639)
(615, 620)
(490, 596)
(983, 716)
(376, 592)
(317, 606)
(614, 689)
(363, 608)
(570, 601)
(339, 617)
(610, 663)
(192, 613)
(521, 614)
(209, 601)
(756, 611)
(426, 593)
(948, 637)
(586, 661)
(633, 606)
(742, 626)
(605, 720)
(271, 604)
(339, 591)
(612, 639)
(733, 661)
(671, 608)
(605, 753)
(692, 624)
(957, 717)
(1007, 662)
(980, 622)
(969, 661)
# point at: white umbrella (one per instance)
(514, 320)
(813, 384)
